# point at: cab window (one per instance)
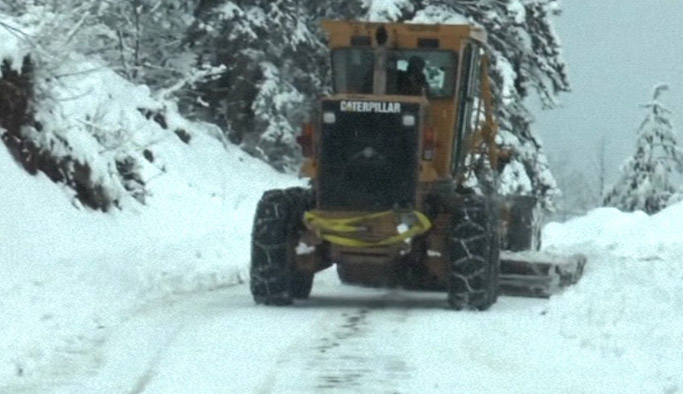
(352, 70)
(408, 72)
(434, 69)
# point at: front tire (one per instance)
(473, 281)
(275, 279)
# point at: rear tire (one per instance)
(275, 279)
(473, 281)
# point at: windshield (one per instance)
(408, 72)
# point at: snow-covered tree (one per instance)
(146, 39)
(99, 156)
(392, 10)
(143, 40)
(646, 180)
(274, 107)
(271, 54)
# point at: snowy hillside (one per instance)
(70, 272)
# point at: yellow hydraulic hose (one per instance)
(323, 227)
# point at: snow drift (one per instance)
(629, 305)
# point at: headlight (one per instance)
(409, 120)
(329, 117)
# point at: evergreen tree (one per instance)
(646, 178)
(274, 105)
(272, 73)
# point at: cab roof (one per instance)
(344, 34)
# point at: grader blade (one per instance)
(538, 274)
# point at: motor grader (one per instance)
(402, 160)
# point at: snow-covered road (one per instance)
(344, 339)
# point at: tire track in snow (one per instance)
(351, 351)
(124, 359)
(358, 356)
(345, 370)
(151, 371)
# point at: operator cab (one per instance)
(408, 71)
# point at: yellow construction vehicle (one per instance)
(391, 158)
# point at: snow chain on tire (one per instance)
(474, 254)
(275, 279)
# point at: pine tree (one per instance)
(274, 107)
(272, 72)
(646, 182)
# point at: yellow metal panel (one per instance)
(442, 119)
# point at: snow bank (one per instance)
(68, 273)
(629, 305)
(634, 235)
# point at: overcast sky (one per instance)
(616, 51)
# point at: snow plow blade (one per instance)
(538, 274)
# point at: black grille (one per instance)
(369, 159)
